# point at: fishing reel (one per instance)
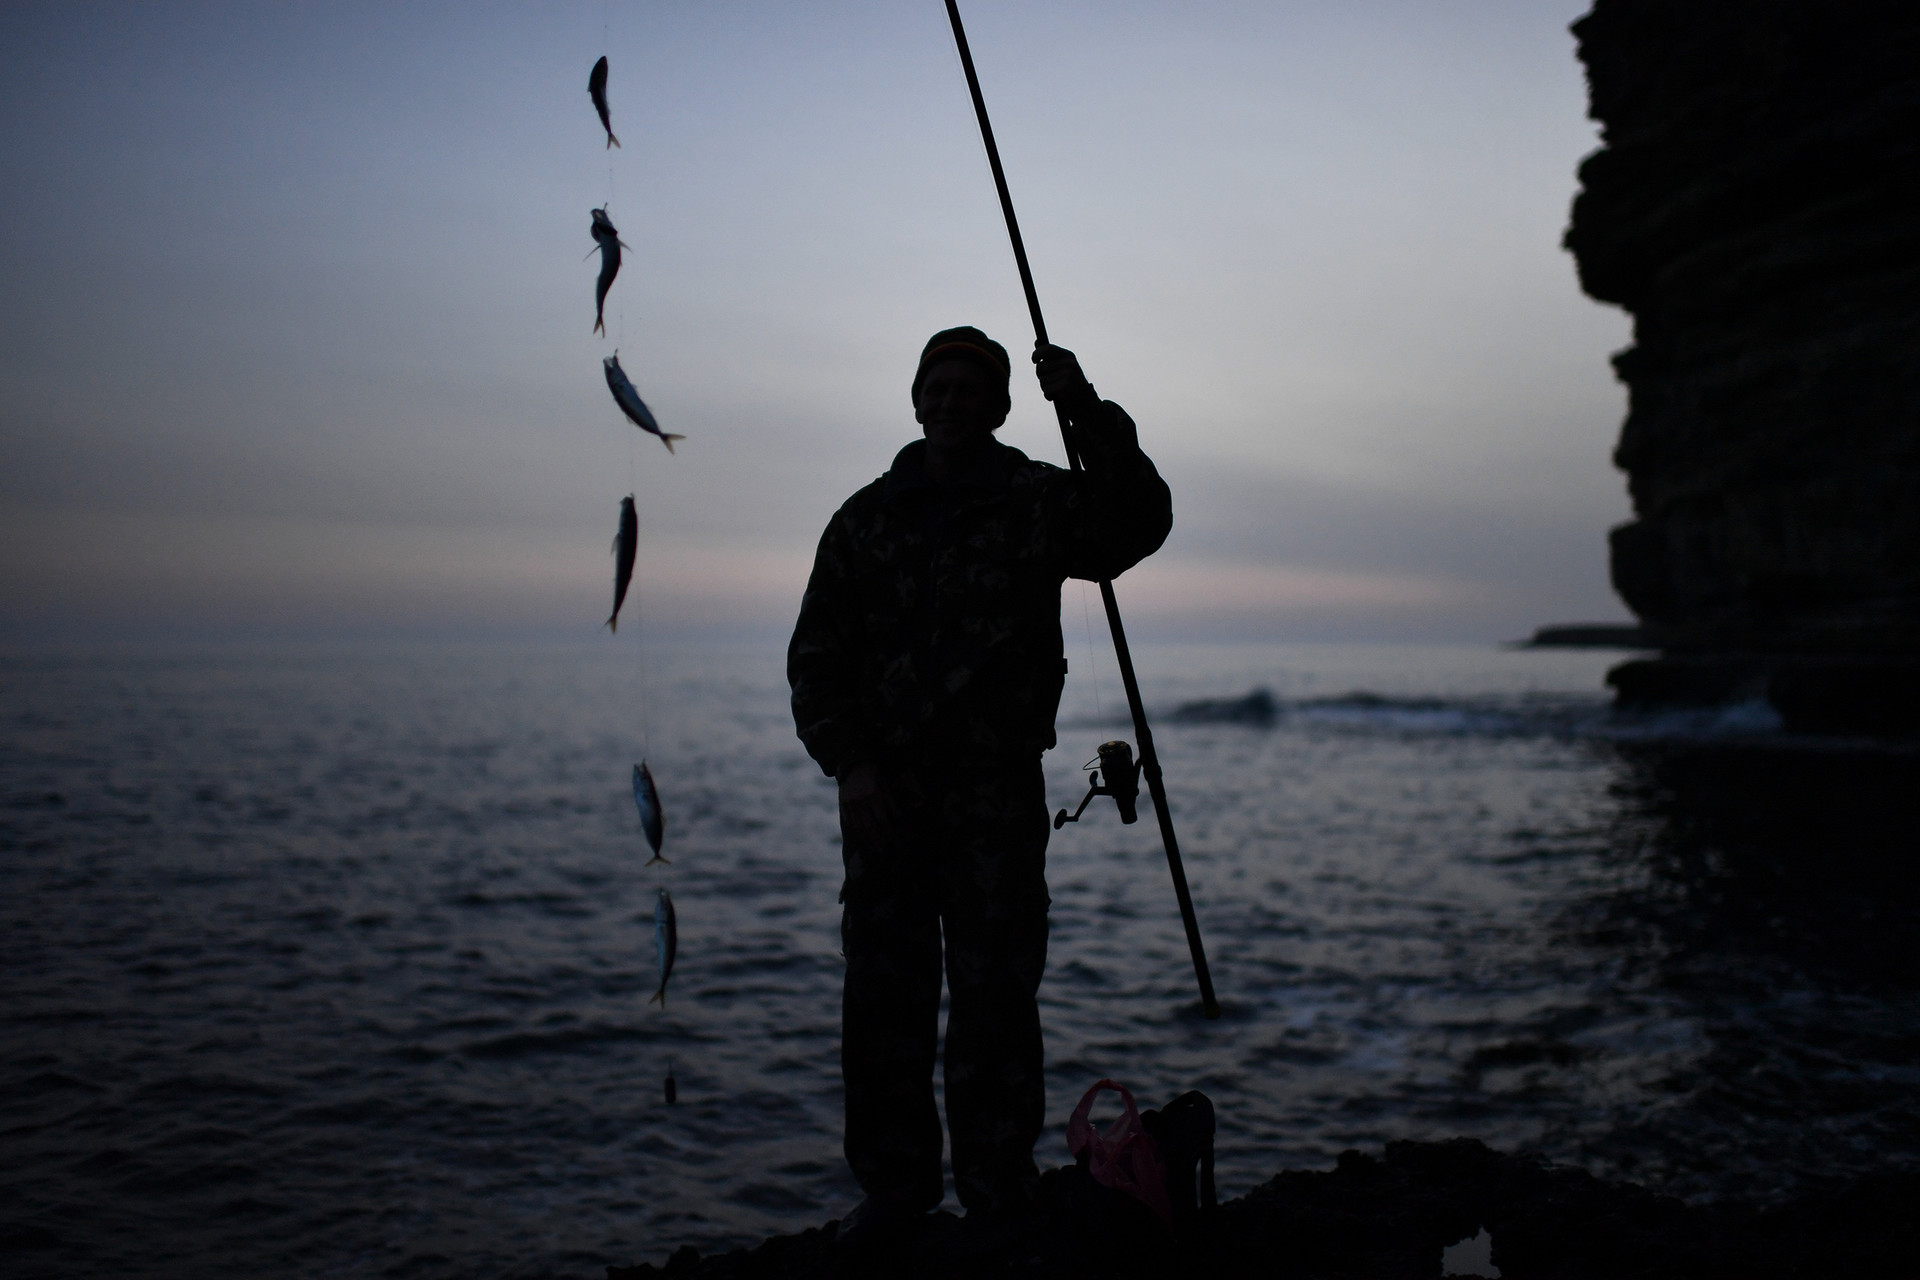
(1114, 774)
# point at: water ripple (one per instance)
(340, 961)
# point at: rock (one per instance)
(1392, 1216)
(1591, 635)
(1836, 694)
(1754, 208)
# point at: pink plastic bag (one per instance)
(1124, 1156)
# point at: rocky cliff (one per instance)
(1756, 206)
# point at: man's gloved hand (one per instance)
(1061, 380)
(1100, 438)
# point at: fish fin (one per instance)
(657, 858)
(591, 252)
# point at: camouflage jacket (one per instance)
(931, 623)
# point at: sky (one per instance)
(298, 336)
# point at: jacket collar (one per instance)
(986, 478)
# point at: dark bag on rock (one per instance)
(1182, 1133)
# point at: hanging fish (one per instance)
(610, 244)
(625, 544)
(673, 1090)
(631, 404)
(647, 799)
(597, 87)
(666, 943)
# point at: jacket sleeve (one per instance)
(823, 660)
(1118, 510)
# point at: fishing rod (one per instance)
(1149, 760)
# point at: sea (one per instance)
(337, 960)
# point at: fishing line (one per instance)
(639, 620)
(640, 608)
(1093, 657)
(606, 51)
(620, 338)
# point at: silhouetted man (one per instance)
(926, 669)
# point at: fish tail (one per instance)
(612, 141)
(668, 440)
(600, 325)
(657, 858)
(659, 997)
(613, 624)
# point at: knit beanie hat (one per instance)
(965, 343)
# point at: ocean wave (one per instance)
(1364, 711)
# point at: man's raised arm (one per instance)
(1121, 510)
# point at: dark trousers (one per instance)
(969, 870)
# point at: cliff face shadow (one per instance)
(1802, 862)
(1767, 900)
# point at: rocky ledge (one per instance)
(1387, 1217)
